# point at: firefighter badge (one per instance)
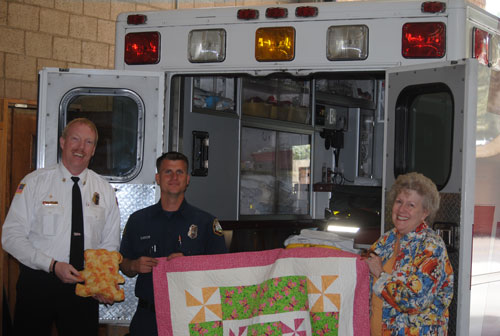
(217, 228)
(193, 231)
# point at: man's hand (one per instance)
(102, 299)
(130, 267)
(144, 264)
(67, 273)
(175, 255)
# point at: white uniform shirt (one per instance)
(37, 228)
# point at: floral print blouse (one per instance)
(416, 295)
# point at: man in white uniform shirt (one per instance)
(37, 232)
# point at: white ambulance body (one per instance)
(266, 101)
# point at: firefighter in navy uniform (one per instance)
(170, 228)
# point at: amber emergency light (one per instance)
(275, 44)
(423, 40)
(142, 48)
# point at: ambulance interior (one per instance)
(272, 155)
(310, 151)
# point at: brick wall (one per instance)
(66, 33)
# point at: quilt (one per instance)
(299, 291)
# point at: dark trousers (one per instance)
(43, 299)
(143, 323)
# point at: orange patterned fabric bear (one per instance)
(101, 275)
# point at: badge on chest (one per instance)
(193, 231)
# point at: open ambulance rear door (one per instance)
(128, 110)
(435, 114)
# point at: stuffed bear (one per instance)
(101, 275)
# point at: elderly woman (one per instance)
(412, 284)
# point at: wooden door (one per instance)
(17, 158)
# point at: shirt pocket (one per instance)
(50, 216)
(94, 223)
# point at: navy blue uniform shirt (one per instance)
(154, 232)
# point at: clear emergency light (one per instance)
(423, 40)
(275, 44)
(495, 52)
(206, 46)
(480, 40)
(142, 48)
(347, 43)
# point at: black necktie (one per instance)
(76, 249)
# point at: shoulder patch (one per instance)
(20, 188)
(217, 228)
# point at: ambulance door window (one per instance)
(118, 115)
(424, 132)
(275, 170)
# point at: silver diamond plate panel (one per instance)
(131, 197)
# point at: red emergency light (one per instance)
(423, 40)
(136, 19)
(433, 7)
(142, 48)
(306, 11)
(480, 40)
(248, 14)
(276, 13)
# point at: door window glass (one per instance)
(275, 168)
(424, 132)
(118, 115)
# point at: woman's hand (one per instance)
(374, 264)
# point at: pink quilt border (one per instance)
(361, 321)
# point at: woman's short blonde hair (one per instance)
(423, 186)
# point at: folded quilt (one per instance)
(300, 291)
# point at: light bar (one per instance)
(341, 228)
(275, 44)
(423, 40)
(142, 48)
(480, 40)
(205, 46)
(347, 43)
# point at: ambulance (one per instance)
(302, 115)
